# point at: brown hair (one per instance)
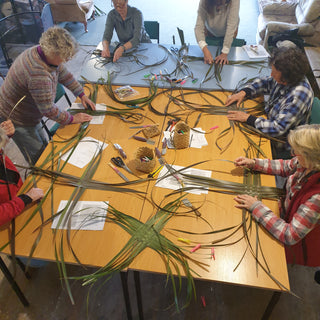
(291, 62)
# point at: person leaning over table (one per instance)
(35, 74)
(217, 18)
(128, 23)
(290, 98)
(12, 205)
(298, 225)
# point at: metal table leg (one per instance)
(272, 303)
(13, 284)
(124, 282)
(136, 275)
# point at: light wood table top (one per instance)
(96, 248)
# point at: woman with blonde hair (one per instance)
(298, 225)
(33, 79)
(217, 18)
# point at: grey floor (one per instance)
(47, 297)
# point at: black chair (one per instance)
(152, 28)
(23, 28)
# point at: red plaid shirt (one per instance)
(304, 219)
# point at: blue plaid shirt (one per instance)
(286, 108)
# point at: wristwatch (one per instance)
(124, 49)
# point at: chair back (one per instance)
(315, 111)
(19, 28)
(152, 28)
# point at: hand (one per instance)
(222, 59)
(35, 194)
(207, 56)
(86, 101)
(245, 201)
(105, 53)
(244, 162)
(81, 117)
(237, 116)
(118, 54)
(235, 97)
(8, 127)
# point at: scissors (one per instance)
(119, 163)
(174, 50)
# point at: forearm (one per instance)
(303, 222)
(276, 167)
(66, 78)
(232, 25)
(199, 28)
(55, 114)
(137, 26)
(11, 209)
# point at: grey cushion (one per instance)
(278, 7)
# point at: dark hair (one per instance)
(291, 62)
(209, 4)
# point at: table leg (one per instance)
(13, 283)
(124, 282)
(272, 303)
(136, 275)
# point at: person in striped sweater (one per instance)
(32, 80)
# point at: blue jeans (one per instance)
(31, 141)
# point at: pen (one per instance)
(198, 246)
(118, 172)
(120, 150)
(164, 147)
(215, 127)
(212, 254)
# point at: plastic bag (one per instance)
(125, 92)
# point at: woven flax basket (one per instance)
(145, 166)
(181, 135)
(151, 131)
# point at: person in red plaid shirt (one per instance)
(298, 224)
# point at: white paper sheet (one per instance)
(172, 183)
(95, 119)
(86, 215)
(84, 152)
(255, 51)
(197, 139)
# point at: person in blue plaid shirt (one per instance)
(289, 102)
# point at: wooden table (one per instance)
(218, 209)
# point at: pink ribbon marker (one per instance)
(198, 246)
(182, 82)
(203, 300)
(215, 127)
(212, 254)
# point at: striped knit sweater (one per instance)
(31, 76)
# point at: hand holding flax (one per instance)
(81, 117)
(35, 194)
(244, 162)
(207, 56)
(8, 127)
(237, 97)
(237, 116)
(221, 59)
(87, 103)
(245, 201)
